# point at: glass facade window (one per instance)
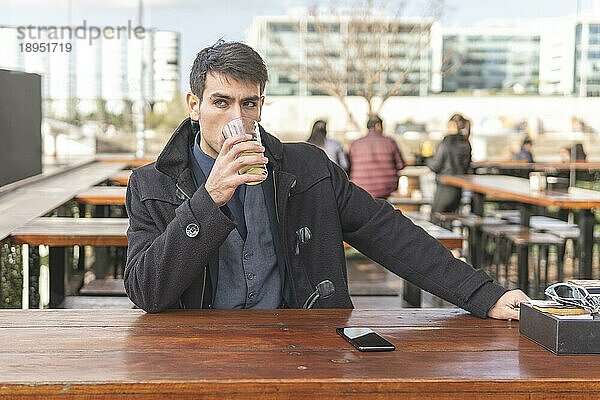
(548, 57)
(503, 63)
(586, 80)
(300, 52)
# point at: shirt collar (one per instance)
(205, 161)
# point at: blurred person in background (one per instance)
(463, 125)
(524, 154)
(573, 153)
(375, 161)
(331, 147)
(452, 157)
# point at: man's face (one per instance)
(224, 99)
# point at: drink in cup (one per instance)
(240, 126)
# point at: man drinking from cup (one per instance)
(202, 236)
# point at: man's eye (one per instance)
(220, 103)
(250, 104)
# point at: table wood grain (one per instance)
(517, 189)
(121, 178)
(275, 354)
(21, 205)
(448, 238)
(64, 231)
(103, 196)
(538, 166)
(129, 160)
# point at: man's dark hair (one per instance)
(374, 120)
(232, 59)
(527, 140)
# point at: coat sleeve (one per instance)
(436, 162)
(386, 236)
(161, 264)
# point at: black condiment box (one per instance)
(568, 334)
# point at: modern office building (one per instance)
(556, 55)
(548, 56)
(495, 59)
(586, 76)
(103, 71)
(302, 51)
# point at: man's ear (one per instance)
(193, 105)
(262, 103)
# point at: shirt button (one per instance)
(250, 276)
(251, 295)
(247, 256)
(192, 230)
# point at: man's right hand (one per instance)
(224, 177)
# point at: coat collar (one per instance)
(173, 160)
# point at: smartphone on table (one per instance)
(365, 339)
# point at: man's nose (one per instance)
(238, 111)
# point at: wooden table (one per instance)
(23, 201)
(575, 171)
(537, 166)
(407, 203)
(121, 178)
(103, 196)
(518, 189)
(59, 233)
(129, 159)
(275, 354)
(449, 239)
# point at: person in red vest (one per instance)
(375, 161)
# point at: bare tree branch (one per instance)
(367, 50)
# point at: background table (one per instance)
(60, 233)
(267, 354)
(63, 231)
(103, 196)
(539, 166)
(517, 189)
(121, 178)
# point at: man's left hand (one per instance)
(507, 306)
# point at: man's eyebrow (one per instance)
(221, 96)
(227, 97)
(251, 98)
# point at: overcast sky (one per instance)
(202, 22)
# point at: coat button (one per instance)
(179, 195)
(192, 230)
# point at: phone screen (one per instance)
(365, 339)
